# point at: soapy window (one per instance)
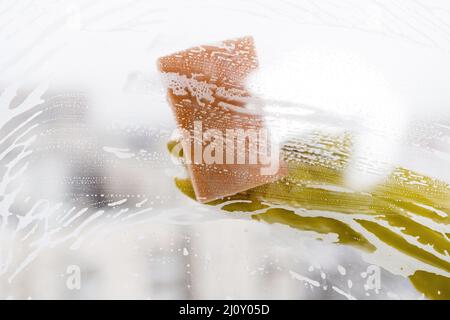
(94, 193)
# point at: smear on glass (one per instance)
(408, 214)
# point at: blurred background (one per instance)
(88, 204)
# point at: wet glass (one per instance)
(95, 200)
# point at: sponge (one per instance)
(225, 143)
